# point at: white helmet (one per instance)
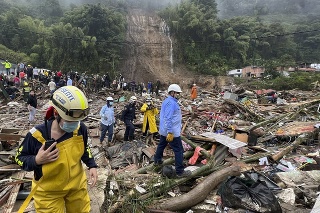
(133, 98)
(174, 87)
(109, 99)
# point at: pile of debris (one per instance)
(245, 153)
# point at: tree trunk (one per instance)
(289, 148)
(200, 192)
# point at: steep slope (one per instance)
(148, 54)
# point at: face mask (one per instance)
(177, 96)
(110, 103)
(148, 103)
(70, 126)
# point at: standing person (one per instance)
(16, 81)
(35, 73)
(107, 120)
(7, 66)
(52, 86)
(157, 87)
(26, 90)
(149, 85)
(60, 182)
(32, 106)
(194, 92)
(69, 82)
(30, 72)
(170, 130)
(149, 118)
(127, 116)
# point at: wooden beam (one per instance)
(14, 193)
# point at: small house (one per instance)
(253, 72)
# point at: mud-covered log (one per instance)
(176, 182)
(264, 123)
(200, 192)
(295, 144)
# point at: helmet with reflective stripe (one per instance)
(174, 87)
(109, 99)
(71, 103)
(133, 98)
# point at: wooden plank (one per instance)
(225, 140)
(4, 194)
(11, 152)
(10, 131)
(14, 193)
(9, 137)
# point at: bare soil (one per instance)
(147, 55)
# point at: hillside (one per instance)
(147, 56)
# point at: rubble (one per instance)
(224, 135)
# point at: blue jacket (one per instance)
(107, 115)
(170, 117)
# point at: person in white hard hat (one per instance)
(107, 120)
(170, 130)
(127, 116)
(54, 151)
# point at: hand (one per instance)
(46, 156)
(93, 176)
(169, 137)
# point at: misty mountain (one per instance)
(233, 8)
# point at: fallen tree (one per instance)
(200, 192)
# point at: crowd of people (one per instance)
(169, 126)
(27, 77)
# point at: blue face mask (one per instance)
(70, 126)
(110, 103)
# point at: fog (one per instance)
(232, 8)
(157, 4)
(226, 8)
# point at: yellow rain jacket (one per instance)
(63, 185)
(150, 117)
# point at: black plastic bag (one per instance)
(248, 194)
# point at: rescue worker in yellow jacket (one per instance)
(54, 151)
(7, 66)
(149, 119)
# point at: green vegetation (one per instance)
(297, 80)
(85, 38)
(210, 45)
(209, 38)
